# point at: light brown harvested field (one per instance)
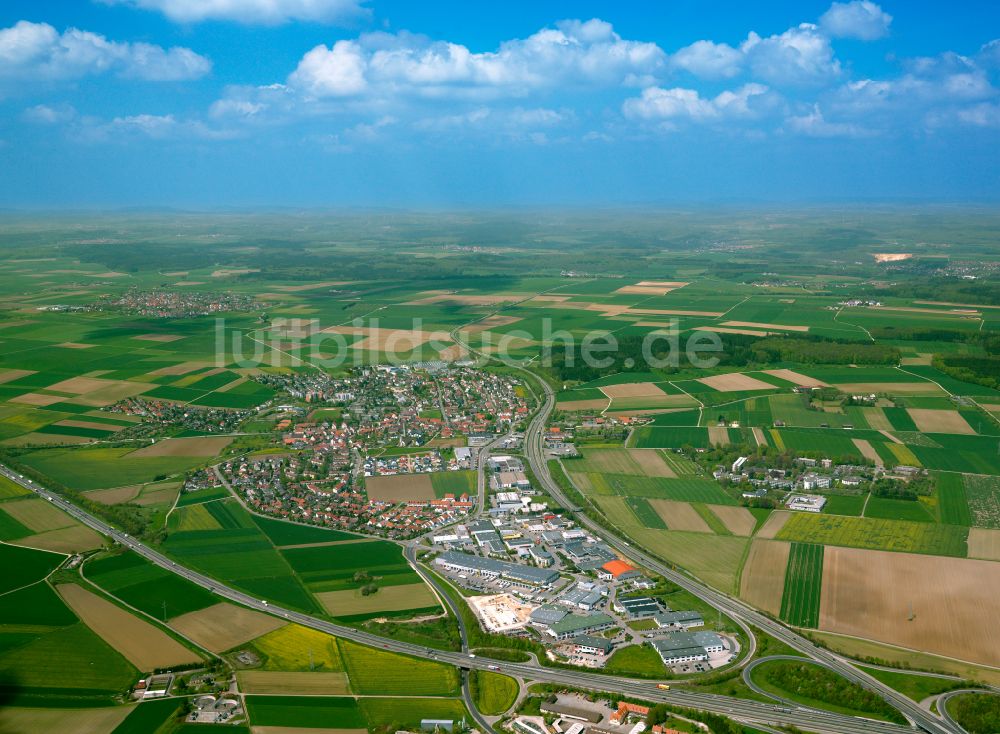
(80, 385)
(955, 601)
(867, 450)
(679, 516)
(142, 644)
(328, 543)
(45, 439)
(738, 520)
(758, 436)
(984, 543)
(34, 398)
(9, 375)
(401, 340)
(470, 300)
(309, 286)
(877, 419)
(346, 602)
(891, 257)
(65, 540)
(183, 283)
(550, 299)
(632, 390)
(897, 388)
(156, 494)
(583, 405)
(615, 309)
(224, 626)
(75, 345)
(734, 382)
(112, 393)
(165, 338)
(89, 424)
(718, 435)
(724, 330)
(645, 411)
(774, 524)
(953, 313)
(297, 730)
(38, 514)
(400, 487)
(453, 353)
(613, 461)
(15, 720)
(763, 581)
(582, 481)
(179, 369)
(890, 436)
(758, 325)
(662, 283)
(18, 322)
(939, 421)
(201, 446)
(491, 322)
(643, 290)
(920, 359)
(108, 274)
(300, 684)
(959, 305)
(797, 377)
(116, 495)
(651, 463)
(654, 401)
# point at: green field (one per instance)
(680, 463)
(396, 712)
(845, 504)
(683, 489)
(97, 468)
(312, 712)
(645, 514)
(803, 582)
(493, 693)
(144, 586)
(861, 532)
(282, 532)
(635, 660)
(374, 672)
(149, 716)
(670, 437)
(896, 509)
(953, 504)
(453, 482)
(23, 566)
(10, 489)
(35, 605)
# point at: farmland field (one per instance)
(144, 586)
(928, 603)
(983, 496)
(494, 693)
(803, 581)
(295, 648)
(859, 532)
(308, 712)
(375, 672)
(762, 582)
(952, 500)
(681, 489)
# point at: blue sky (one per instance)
(206, 103)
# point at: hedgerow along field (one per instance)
(803, 583)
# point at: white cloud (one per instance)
(799, 56)
(44, 114)
(265, 12)
(989, 54)
(859, 19)
(573, 54)
(709, 60)
(656, 103)
(37, 51)
(815, 125)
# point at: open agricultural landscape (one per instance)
(373, 367)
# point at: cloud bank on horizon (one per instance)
(572, 84)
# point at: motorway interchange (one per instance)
(751, 712)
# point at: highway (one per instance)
(749, 711)
(534, 449)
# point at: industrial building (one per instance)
(491, 568)
(686, 647)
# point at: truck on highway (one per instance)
(663, 686)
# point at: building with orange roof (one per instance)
(617, 570)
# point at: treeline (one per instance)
(983, 371)
(977, 713)
(807, 680)
(823, 351)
